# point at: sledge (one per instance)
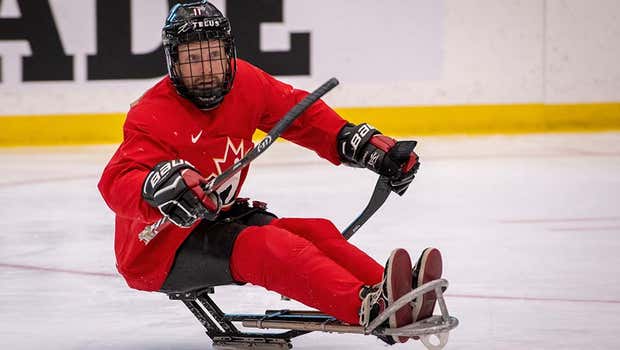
(221, 328)
(433, 332)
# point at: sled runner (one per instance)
(221, 329)
(225, 335)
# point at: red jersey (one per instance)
(162, 125)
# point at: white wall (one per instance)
(582, 51)
(394, 52)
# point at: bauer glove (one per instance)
(364, 146)
(175, 188)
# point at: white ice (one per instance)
(529, 227)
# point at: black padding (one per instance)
(203, 260)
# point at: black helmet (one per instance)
(193, 30)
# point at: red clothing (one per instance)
(163, 126)
(307, 260)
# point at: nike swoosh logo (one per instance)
(195, 138)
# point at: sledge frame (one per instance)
(220, 328)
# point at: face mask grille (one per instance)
(201, 64)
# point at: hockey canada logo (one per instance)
(232, 154)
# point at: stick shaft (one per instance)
(379, 195)
(273, 134)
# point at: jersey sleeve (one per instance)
(317, 129)
(123, 177)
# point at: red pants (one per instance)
(307, 260)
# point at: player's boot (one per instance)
(396, 283)
(428, 268)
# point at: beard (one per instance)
(207, 82)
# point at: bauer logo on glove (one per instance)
(176, 188)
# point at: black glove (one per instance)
(364, 146)
(174, 187)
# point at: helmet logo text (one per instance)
(199, 24)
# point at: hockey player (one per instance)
(195, 123)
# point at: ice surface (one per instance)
(529, 227)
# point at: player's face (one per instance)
(202, 64)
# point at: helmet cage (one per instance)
(186, 40)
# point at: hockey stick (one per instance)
(273, 134)
(151, 231)
(379, 195)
